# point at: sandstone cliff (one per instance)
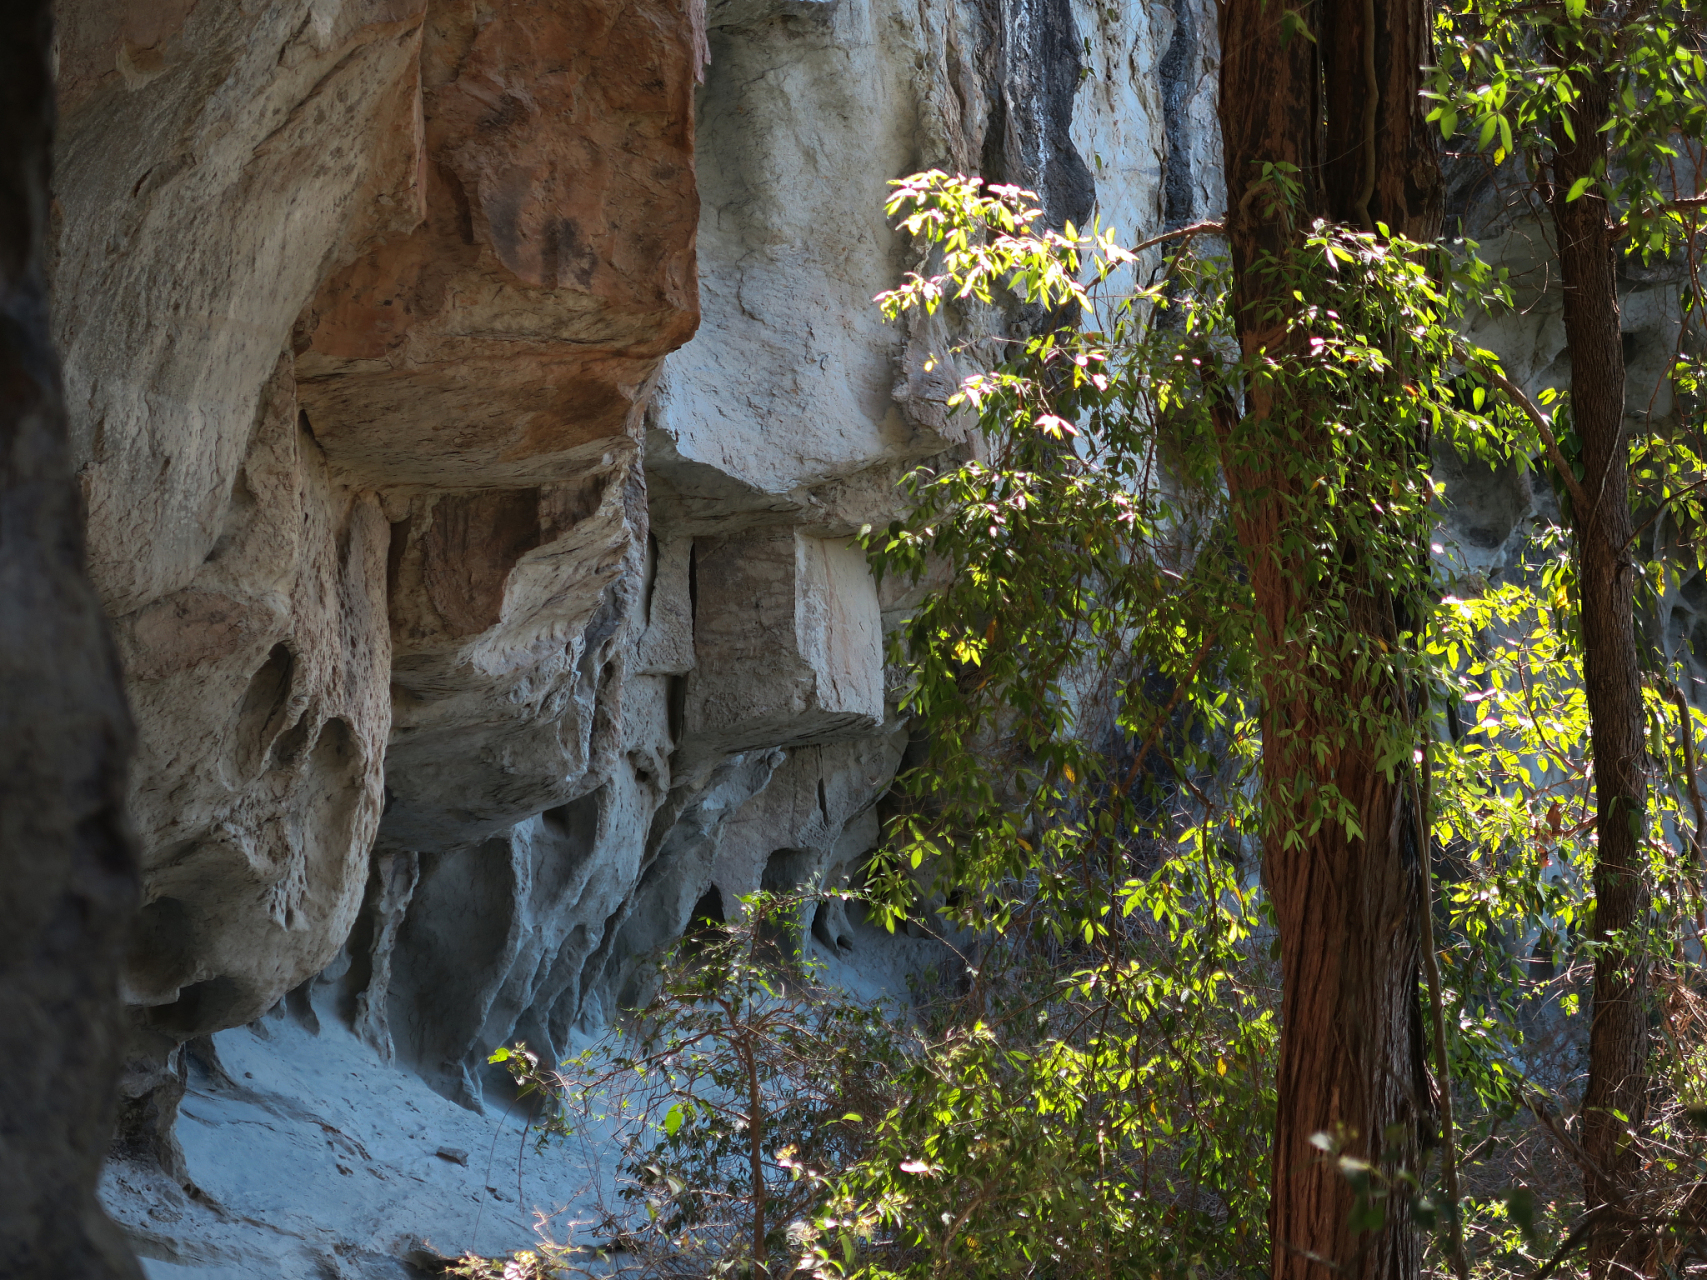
(472, 402)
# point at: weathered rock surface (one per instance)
(472, 409)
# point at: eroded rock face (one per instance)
(258, 784)
(484, 621)
(200, 206)
(788, 644)
(358, 327)
(473, 401)
(215, 161)
(512, 612)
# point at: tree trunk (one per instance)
(1347, 909)
(1611, 676)
(66, 859)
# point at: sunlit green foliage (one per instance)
(1094, 550)
(1106, 1122)
(1508, 73)
(1085, 672)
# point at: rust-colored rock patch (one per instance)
(525, 319)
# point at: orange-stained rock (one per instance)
(522, 323)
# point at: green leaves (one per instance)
(1083, 671)
(1292, 24)
(1084, 674)
(987, 245)
(1519, 71)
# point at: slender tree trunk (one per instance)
(68, 877)
(1352, 1044)
(756, 1151)
(1612, 679)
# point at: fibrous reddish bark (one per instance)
(66, 860)
(1347, 907)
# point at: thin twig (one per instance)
(1584, 1228)
(1568, 1145)
(1688, 735)
(1671, 206)
(490, 1157)
(1486, 1145)
(1195, 229)
(1663, 503)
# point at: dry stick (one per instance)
(1431, 967)
(1505, 384)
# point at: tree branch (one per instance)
(1195, 229)
(1572, 485)
(1678, 206)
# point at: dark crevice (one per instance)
(707, 911)
(676, 708)
(651, 576)
(1178, 197)
(786, 870)
(200, 1008)
(1031, 122)
(693, 585)
(261, 714)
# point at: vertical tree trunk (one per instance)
(68, 878)
(1347, 908)
(1607, 580)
